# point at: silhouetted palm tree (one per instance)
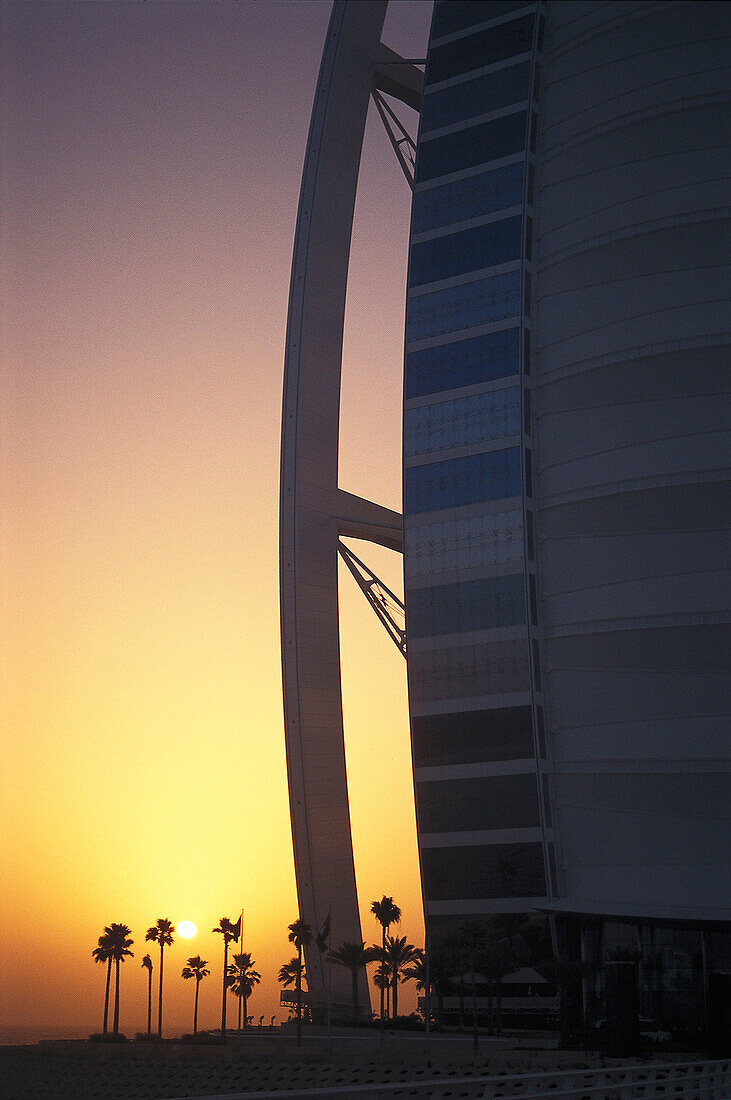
(440, 973)
(119, 943)
(397, 955)
(386, 912)
(196, 968)
(290, 971)
(161, 932)
(300, 934)
(354, 957)
(225, 929)
(147, 964)
(103, 954)
(497, 960)
(382, 981)
(242, 979)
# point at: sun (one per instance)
(186, 929)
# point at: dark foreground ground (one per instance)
(85, 1071)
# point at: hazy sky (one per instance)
(150, 173)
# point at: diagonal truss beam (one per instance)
(401, 140)
(386, 604)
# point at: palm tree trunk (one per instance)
(116, 996)
(388, 999)
(299, 994)
(383, 955)
(106, 994)
(474, 1008)
(159, 998)
(356, 1007)
(246, 1018)
(149, 1000)
(238, 1018)
(195, 1010)
(395, 994)
(223, 1000)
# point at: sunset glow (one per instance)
(150, 189)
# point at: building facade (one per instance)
(565, 475)
(565, 466)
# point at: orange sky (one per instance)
(149, 191)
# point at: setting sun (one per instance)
(186, 929)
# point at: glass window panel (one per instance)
(497, 871)
(475, 97)
(487, 802)
(482, 604)
(457, 15)
(471, 249)
(462, 199)
(465, 420)
(464, 306)
(462, 363)
(493, 475)
(478, 50)
(474, 145)
(484, 668)
(472, 736)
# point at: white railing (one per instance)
(673, 1081)
(680, 1080)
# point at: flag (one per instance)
(236, 929)
(323, 936)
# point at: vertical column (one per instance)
(309, 464)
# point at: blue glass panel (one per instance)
(472, 605)
(475, 669)
(464, 306)
(462, 199)
(463, 363)
(487, 802)
(494, 475)
(455, 254)
(481, 416)
(472, 736)
(456, 15)
(497, 871)
(475, 97)
(477, 51)
(501, 137)
(473, 542)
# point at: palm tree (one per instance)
(289, 973)
(382, 981)
(119, 944)
(103, 954)
(496, 961)
(147, 964)
(196, 968)
(354, 957)
(242, 978)
(386, 912)
(417, 972)
(467, 947)
(227, 930)
(440, 972)
(397, 955)
(162, 933)
(300, 934)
